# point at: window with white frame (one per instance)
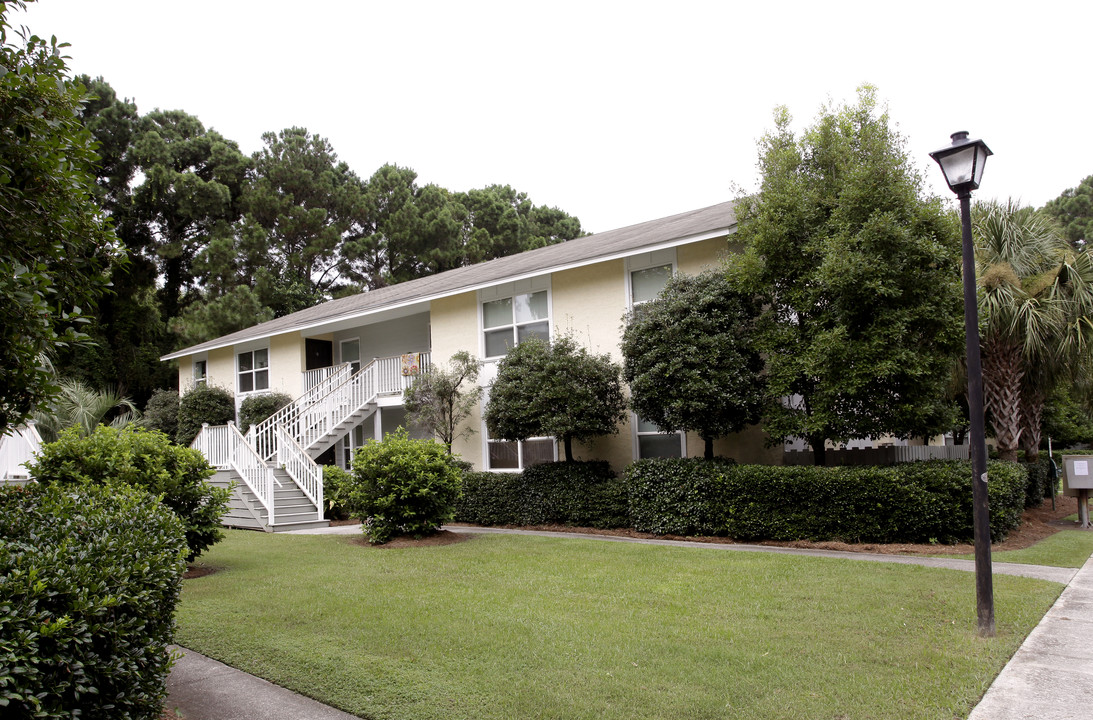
(201, 372)
(512, 455)
(253, 370)
(647, 274)
(653, 442)
(508, 321)
(351, 353)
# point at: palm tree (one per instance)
(80, 406)
(1036, 317)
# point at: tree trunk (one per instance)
(819, 449)
(1032, 411)
(568, 442)
(1002, 373)
(708, 452)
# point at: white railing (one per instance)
(301, 468)
(390, 380)
(225, 447)
(18, 448)
(258, 476)
(318, 376)
(317, 384)
(214, 442)
(326, 414)
(888, 455)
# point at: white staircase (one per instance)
(278, 484)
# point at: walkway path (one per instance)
(1049, 678)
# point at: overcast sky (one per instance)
(616, 112)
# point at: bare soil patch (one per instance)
(444, 537)
(1036, 524)
(196, 571)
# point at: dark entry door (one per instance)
(318, 353)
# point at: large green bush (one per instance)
(585, 494)
(144, 459)
(256, 408)
(161, 412)
(403, 486)
(89, 580)
(203, 403)
(914, 502)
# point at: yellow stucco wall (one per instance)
(286, 363)
(590, 302)
(693, 258)
(453, 323)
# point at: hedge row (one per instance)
(914, 502)
(911, 502)
(585, 494)
(89, 580)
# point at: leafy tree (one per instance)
(1067, 419)
(1074, 211)
(860, 280)
(555, 389)
(689, 360)
(192, 181)
(83, 408)
(440, 399)
(235, 310)
(1036, 317)
(57, 243)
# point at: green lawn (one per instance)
(1066, 548)
(531, 627)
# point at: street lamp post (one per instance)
(962, 162)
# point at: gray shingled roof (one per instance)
(581, 251)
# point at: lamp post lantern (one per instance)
(962, 162)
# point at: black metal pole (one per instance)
(984, 583)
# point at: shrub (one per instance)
(585, 494)
(144, 459)
(161, 412)
(336, 484)
(256, 408)
(403, 486)
(913, 502)
(203, 403)
(89, 580)
(1039, 481)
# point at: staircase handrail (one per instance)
(251, 466)
(17, 448)
(263, 434)
(300, 467)
(333, 408)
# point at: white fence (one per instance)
(889, 455)
(17, 448)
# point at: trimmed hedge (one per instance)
(89, 580)
(1039, 481)
(336, 484)
(583, 494)
(145, 459)
(912, 502)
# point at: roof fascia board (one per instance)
(708, 235)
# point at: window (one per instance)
(253, 370)
(647, 283)
(510, 455)
(511, 320)
(201, 374)
(351, 353)
(653, 442)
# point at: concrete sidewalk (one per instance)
(205, 689)
(1049, 678)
